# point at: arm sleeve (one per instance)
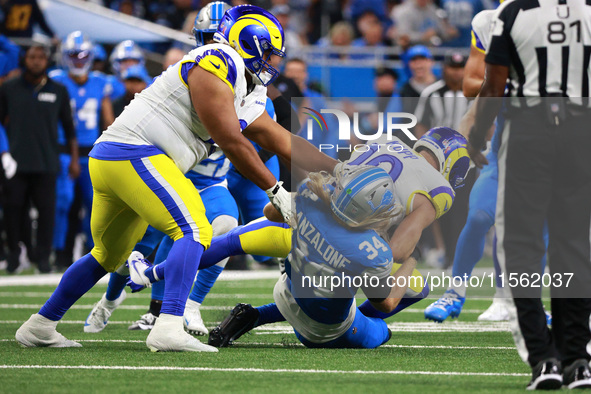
(40, 19)
(66, 116)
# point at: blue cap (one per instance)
(418, 51)
(138, 72)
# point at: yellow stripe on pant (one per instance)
(130, 194)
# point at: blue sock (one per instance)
(222, 246)
(470, 246)
(160, 269)
(77, 280)
(179, 269)
(161, 254)
(205, 280)
(269, 314)
(158, 290)
(116, 285)
(369, 311)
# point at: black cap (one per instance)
(454, 59)
(381, 71)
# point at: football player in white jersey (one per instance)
(212, 97)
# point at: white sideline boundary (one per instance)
(54, 279)
(260, 370)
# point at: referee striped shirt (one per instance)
(441, 106)
(546, 44)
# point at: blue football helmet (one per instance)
(450, 149)
(125, 50)
(208, 20)
(362, 193)
(99, 53)
(77, 53)
(256, 35)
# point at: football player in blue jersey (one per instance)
(482, 204)
(125, 54)
(338, 234)
(89, 96)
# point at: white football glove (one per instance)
(281, 199)
(9, 165)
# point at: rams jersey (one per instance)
(411, 173)
(163, 116)
(481, 30)
(213, 170)
(321, 248)
(481, 34)
(86, 103)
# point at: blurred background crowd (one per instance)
(385, 49)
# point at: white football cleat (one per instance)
(192, 319)
(146, 322)
(39, 331)
(497, 311)
(168, 335)
(99, 316)
(137, 266)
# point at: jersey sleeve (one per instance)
(217, 62)
(441, 197)
(480, 30)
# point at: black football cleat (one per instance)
(240, 320)
(577, 375)
(546, 375)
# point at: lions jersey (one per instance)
(321, 248)
(163, 116)
(411, 173)
(86, 101)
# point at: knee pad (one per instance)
(222, 224)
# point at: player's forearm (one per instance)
(246, 160)
(306, 156)
(471, 85)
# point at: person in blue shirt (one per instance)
(337, 237)
(459, 15)
(92, 109)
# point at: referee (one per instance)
(543, 47)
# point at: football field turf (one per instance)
(422, 357)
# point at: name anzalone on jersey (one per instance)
(162, 115)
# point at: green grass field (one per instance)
(459, 356)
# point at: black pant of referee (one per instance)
(545, 174)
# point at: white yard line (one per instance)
(259, 370)
(276, 329)
(203, 307)
(141, 295)
(53, 279)
(277, 344)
